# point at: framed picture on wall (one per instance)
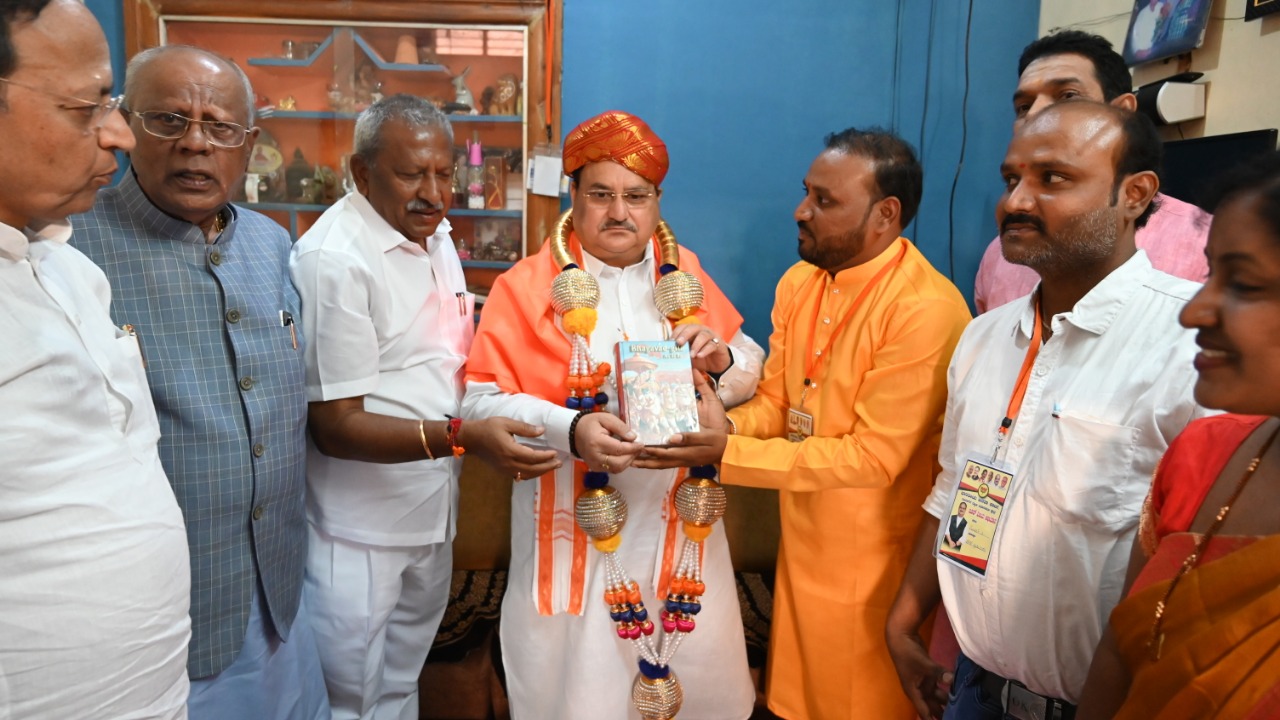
(1254, 9)
(1159, 29)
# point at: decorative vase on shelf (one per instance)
(298, 170)
(475, 176)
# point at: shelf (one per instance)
(364, 47)
(269, 113)
(401, 67)
(465, 212)
(485, 118)
(284, 207)
(294, 62)
(489, 264)
(301, 207)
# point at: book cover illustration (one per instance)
(655, 389)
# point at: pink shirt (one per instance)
(1174, 238)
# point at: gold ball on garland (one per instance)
(700, 501)
(601, 512)
(580, 321)
(657, 699)
(678, 294)
(574, 288)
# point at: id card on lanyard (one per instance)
(800, 422)
(967, 538)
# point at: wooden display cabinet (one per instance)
(315, 64)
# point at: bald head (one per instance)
(148, 64)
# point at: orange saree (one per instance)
(1220, 656)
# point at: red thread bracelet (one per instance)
(451, 435)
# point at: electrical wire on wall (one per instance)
(897, 64)
(928, 73)
(964, 141)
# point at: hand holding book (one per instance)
(690, 449)
(708, 352)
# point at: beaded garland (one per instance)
(601, 509)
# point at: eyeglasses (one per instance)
(633, 198)
(98, 111)
(172, 126)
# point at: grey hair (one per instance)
(146, 57)
(408, 109)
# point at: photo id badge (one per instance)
(799, 425)
(967, 535)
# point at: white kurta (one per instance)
(95, 578)
(574, 667)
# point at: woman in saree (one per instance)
(1198, 634)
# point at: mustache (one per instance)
(618, 224)
(420, 205)
(804, 227)
(1021, 219)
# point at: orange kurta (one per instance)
(850, 496)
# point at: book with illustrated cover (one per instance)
(655, 389)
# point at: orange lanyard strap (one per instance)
(814, 361)
(1024, 375)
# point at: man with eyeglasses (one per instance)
(560, 645)
(390, 323)
(845, 425)
(94, 580)
(204, 287)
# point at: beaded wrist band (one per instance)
(573, 433)
(422, 436)
(733, 426)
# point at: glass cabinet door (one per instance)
(311, 80)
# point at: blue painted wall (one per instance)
(743, 92)
(111, 15)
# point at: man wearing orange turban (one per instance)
(561, 649)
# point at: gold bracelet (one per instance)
(733, 426)
(422, 435)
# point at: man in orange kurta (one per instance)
(845, 425)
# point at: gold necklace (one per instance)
(1156, 643)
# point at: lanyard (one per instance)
(1020, 388)
(813, 362)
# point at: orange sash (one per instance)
(521, 347)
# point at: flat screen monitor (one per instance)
(1163, 28)
(1191, 167)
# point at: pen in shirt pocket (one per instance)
(132, 332)
(286, 320)
(462, 302)
(1057, 410)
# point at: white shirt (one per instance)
(94, 573)
(1107, 393)
(389, 321)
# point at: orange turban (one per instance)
(622, 138)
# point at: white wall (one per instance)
(1239, 59)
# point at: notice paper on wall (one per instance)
(545, 174)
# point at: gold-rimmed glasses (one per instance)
(172, 126)
(98, 111)
(633, 198)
